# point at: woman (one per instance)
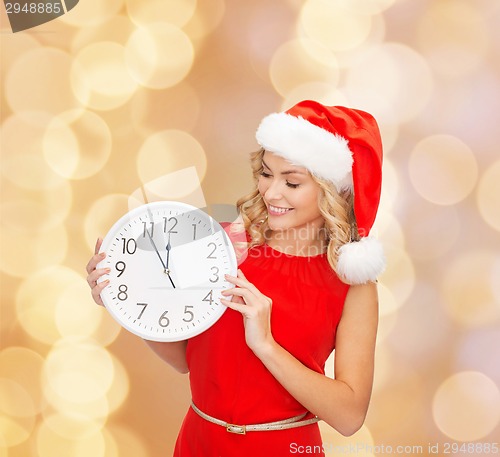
(306, 286)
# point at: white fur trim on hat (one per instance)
(361, 261)
(323, 153)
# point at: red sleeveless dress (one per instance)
(230, 383)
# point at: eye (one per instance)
(293, 186)
(264, 174)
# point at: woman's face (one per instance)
(290, 195)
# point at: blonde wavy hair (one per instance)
(336, 208)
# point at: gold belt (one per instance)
(285, 424)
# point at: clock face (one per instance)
(167, 261)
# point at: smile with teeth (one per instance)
(277, 210)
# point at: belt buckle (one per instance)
(237, 429)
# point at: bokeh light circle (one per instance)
(37, 299)
(12, 50)
(407, 339)
(387, 302)
(15, 430)
(75, 313)
(467, 289)
(399, 276)
(466, 406)
(101, 216)
(48, 88)
(35, 211)
(128, 442)
(335, 27)
(169, 151)
(47, 440)
(24, 367)
(168, 11)
(15, 401)
(22, 159)
(364, 7)
(443, 169)
(488, 195)
(302, 61)
(77, 147)
(17, 413)
(97, 410)
(43, 249)
(320, 91)
(91, 13)
(71, 426)
(388, 228)
(116, 29)
(80, 372)
(206, 18)
(178, 107)
(395, 73)
(159, 55)
(480, 351)
(431, 230)
(454, 38)
(120, 387)
(100, 77)
(390, 186)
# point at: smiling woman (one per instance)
(305, 287)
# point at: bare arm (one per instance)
(341, 402)
(172, 353)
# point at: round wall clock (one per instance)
(167, 261)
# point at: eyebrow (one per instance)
(288, 172)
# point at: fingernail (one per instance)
(107, 270)
(102, 255)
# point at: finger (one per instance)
(95, 275)
(96, 292)
(98, 245)
(238, 291)
(241, 308)
(234, 297)
(95, 259)
(238, 281)
(243, 282)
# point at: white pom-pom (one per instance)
(361, 261)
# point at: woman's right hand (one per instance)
(95, 273)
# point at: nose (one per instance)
(273, 191)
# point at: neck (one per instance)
(305, 242)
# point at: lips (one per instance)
(277, 211)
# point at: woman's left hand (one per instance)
(255, 308)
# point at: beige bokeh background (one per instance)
(118, 94)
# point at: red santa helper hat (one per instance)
(342, 145)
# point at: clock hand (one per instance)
(167, 270)
(168, 247)
(156, 249)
